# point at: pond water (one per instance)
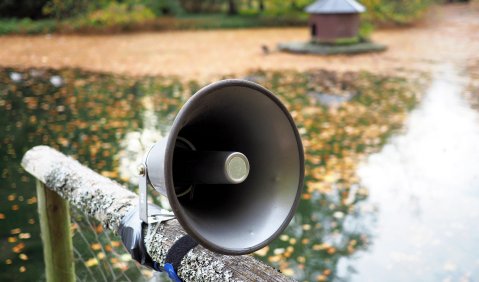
(352, 223)
(424, 185)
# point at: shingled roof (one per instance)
(335, 7)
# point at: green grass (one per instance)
(184, 22)
(26, 26)
(215, 21)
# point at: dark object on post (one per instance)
(131, 231)
(331, 20)
(232, 167)
(132, 237)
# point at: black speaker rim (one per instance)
(168, 165)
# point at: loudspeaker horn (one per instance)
(232, 167)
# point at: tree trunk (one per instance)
(232, 8)
(261, 6)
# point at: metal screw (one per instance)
(141, 170)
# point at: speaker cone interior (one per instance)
(232, 167)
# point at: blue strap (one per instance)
(171, 272)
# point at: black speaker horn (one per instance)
(232, 167)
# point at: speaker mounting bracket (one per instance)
(143, 183)
(144, 216)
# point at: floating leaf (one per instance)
(288, 271)
(262, 252)
(91, 262)
(15, 231)
(99, 229)
(95, 246)
(32, 200)
(24, 236)
(18, 248)
(115, 244)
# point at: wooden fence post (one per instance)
(56, 235)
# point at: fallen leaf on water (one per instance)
(288, 271)
(24, 236)
(319, 247)
(121, 265)
(278, 251)
(274, 258)
(321, 278)
(15, 231)
(18, 248)
(95, 246)
(99, 229)
(91, 262)
(331, 250)
(101, 256)
(32, 200)
(306, 196)
(262, 252)
(115, 244)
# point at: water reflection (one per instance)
(333, 220)
(81, 114)
(135, 143)
(425, 185)
(107, 122)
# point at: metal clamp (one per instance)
(144, 215)
(143, 183)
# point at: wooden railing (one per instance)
(63, 180)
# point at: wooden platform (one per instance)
(330, 49)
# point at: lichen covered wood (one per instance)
(109, 202)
